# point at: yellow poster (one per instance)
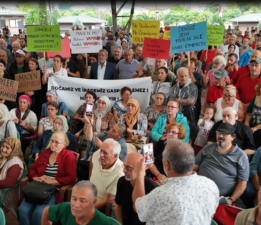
(143, 28)
(166, 35)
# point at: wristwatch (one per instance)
(231, 200)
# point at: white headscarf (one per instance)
(4, 112)
(100, 114)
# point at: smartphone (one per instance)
(148, 153)
(88, 109)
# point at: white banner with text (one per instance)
(72, 90)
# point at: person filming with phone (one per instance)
(184, 198)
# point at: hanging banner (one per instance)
(86, 41)
(29, 81)
(72, 91)
(156, 48)
(215, 35)
(8, 89)
(43, 38)
(190, 37)
(142, 29)
(66, 51)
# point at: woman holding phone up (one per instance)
(55, 70)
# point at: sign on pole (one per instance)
(43, 38)
(156, 48)
(65, 53)
(29, 81)
(8, 89)
(215, 35)
(142, 29)
(190, 37)
(86, 41)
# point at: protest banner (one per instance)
(8, 89)
(29, 81)
(142, 29)
(43, 38)
(65, 53)
(156, 48)
(166, 35)
(72, 91)
(86, 41)
(215, 35)
(190, 37)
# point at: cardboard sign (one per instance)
(142, 29)
(66, 51)
(86, 41)
(166, 35)
(190, 37)
(8, 89)
(156, 48)
(215, 35)
(29, 81)
(43, 38)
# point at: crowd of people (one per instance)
(203, 119)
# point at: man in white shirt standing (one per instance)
(103, 70)
(185, 197)
(231, 40)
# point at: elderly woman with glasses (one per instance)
(229, 100)
(159, 132)
(173, 131)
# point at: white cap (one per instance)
(21, 52)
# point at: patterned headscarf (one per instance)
(131, 119)
(16, 149)
(52, 93)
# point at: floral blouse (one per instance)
(142, 124)
(152, 114)
(47, 125)
(107, 122)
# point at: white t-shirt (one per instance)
(203, 132)
(61, 72)
(31, 120)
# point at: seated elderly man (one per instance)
(105, 170)
(224, 163)
(185, 197)
(80, 209)
(154, 73)
(124, 206)
(244, 137)
(186, 93)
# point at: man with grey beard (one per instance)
(103, 70)
(244, 136)
(124, 212)
(224, 163)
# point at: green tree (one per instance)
(178, 8)
(192, 17)
(217, 19)
(108, 18)
(231, 13)
(141, 16)
(212, 7)
(206, 16)
(259, 26)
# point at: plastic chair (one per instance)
(113, 221)
(2, 217)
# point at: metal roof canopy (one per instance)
(247, 18)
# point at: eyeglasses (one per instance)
(228, 96)
(56, 142)
(102, 103)
(171, 132)
(223, 133)
(171, 107)
(216, 63)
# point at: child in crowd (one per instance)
(205, 126)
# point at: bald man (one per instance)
(154, 73)
(124, 206)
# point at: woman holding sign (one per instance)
(55, 70)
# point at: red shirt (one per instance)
(210, 57)
(253, 46)
(231, 74)
(246, 87)
(12, 176)
(214, 93)
(244, 70)
(66, 174)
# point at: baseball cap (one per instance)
(110, 38)
(21, 52)
(256, 59)
(226, 128)
(220, 73)
(25, 49)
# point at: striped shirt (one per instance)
(51, 171)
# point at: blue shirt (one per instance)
(126, 70)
